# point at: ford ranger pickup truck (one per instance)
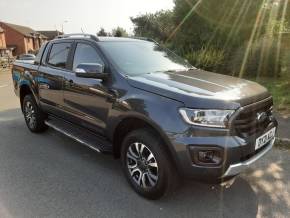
(140, 102)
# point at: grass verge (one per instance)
(280, 89)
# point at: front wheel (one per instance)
(33, 115)
(146, 164)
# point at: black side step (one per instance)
(79, 134)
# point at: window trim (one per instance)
(45, 46)
(68, 56)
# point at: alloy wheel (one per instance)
(142, 165)
(30, 115)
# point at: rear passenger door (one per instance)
(51, 73)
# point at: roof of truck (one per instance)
(107, 38)
(100, 39)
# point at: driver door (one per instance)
(85, 99)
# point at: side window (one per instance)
(40, 53)
(86, 54)
(58, 55)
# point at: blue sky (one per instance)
(75, 15)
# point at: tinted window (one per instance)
(39, 54)
(86, 54)
(140, 57)
(58, 55)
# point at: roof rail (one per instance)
(145, 39)
(75, 35)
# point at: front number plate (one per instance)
(265, 138)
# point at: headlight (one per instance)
(209, 118)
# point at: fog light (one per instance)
(209, 157)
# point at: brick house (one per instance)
(2, 42)
(2, 39)
(21, 39)
(50, 34)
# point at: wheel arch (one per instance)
(133, 122)
(24, 90)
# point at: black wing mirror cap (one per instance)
(96, 71)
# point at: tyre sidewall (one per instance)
(154, 144)
(39, 116)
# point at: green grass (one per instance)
(280, 89)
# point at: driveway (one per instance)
(49, 175)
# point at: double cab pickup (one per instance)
(140, 102)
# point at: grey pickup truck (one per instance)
(142, 103)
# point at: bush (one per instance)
(208, 59)
(262, 60)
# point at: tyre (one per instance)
(147, 165)
(33, 115)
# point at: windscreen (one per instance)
(141, 57)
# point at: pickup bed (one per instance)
(142, 103)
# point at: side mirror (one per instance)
(96, 71)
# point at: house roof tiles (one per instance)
(26, 31)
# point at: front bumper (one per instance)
(235, 169)
(239, 153)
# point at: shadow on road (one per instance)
(50, 175)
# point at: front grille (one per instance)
(246, 122)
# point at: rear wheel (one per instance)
(33, 115)
(146, 164)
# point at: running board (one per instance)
(79, 134)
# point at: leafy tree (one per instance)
(217, 23)
(214, 34)
(157, 26)
(119, 32)
(102, 32)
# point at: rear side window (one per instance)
(58, 55)
(39, 54)
(86, 54)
